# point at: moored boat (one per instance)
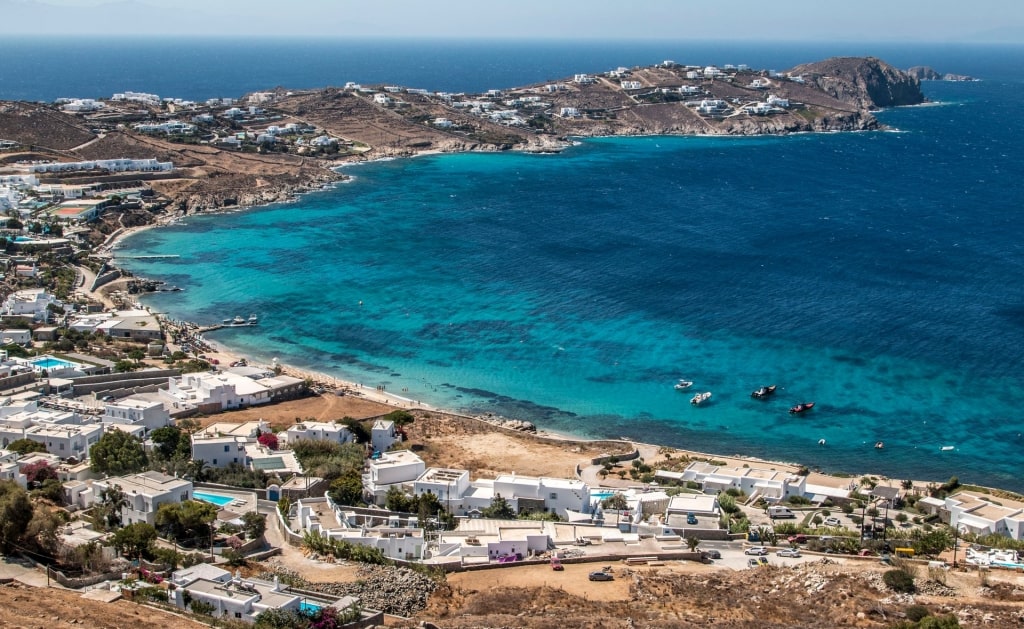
(683, 385)
(700, 398)
(763, 392)
(253, 319)
(802, 407)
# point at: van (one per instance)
(940, 565)
(780, 512)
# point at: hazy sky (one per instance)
(792, 20)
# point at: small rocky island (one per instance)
(924, 73)
(268, 146)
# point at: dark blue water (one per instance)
(48, 68)
(878, 274)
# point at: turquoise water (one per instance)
(218, 499)
(877, 274)
(49, 362)
(309, 608)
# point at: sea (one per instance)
(877, 274)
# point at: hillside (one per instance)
(864, 82)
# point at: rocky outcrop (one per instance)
(864, 82)
(924, 73)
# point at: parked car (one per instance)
(752, 563)
(600, 576)
(865, 552)
(756, 550)
(713, 554)
(691, 519)
(762, 561)
(833, 522)
(788, 552)
(797, 539)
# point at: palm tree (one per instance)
(693, 543)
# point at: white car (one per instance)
(788, 552)
(756, 550)
(833, 522)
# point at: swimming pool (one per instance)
(309, 608)
(602, 495)
(49, 362)
(217, 499)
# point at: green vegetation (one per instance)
(26, 446)
(187, 523)
(135, 540)
(323, 545)
(117, 453)
(900, 580)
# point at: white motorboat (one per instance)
(683, 385)
(253, 319)
(700, 398)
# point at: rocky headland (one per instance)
(925, 73)
(368, 123)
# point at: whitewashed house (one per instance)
(391, 469)
(144, 493)
(383, 435)
(150, 414)
(318, 431)
(980, 514)
(31, 302)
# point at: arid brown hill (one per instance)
(865, 82)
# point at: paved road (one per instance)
(734, 558)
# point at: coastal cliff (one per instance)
(866, 83)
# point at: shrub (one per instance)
(917, 612)
(899, 580)
(847, 508)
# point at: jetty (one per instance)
(163, 256)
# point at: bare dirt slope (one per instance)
(24, 607)
(688, 595)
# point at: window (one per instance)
(238, 614)
(553, 496)
(226, 448)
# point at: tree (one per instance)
(117, 453)
(400, 417)
(171, 443)
(500, 509)
(347, 489)
(692, 543)
(396, 500)
(38, 472)
(15, 514)
(26, 446)
(932, 542)
(615, 501)
(124, 366)
(135, 540)
(254, 524)
(51, 489)
(136, 354)
(187, 522)
(360, 434)
(112, 500)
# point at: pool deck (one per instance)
(242, 501)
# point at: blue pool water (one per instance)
(602, 495)
(309, 608)
(216, 499)
(49, 362)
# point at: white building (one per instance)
(215, 392)
(318, 431)
(322, 516)
(235, 598)
(555, 495)
(66, 440)
(583, 79)
(10, 470)
(150, 414)
(772, 485)
(981, 515)
(447, 484)
(631, 85)
(383, 435)
(391, 469)
(775, 101)
(31, 302)
(144, 493)
(119, 165)
(569, 112)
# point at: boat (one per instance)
(821, 442)
(947, 448)
(879, 445)
(764, 393)
(683, 385)
(253, 319)
(801, 407)
(227, 320)
(238, 321)
(700, 398)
